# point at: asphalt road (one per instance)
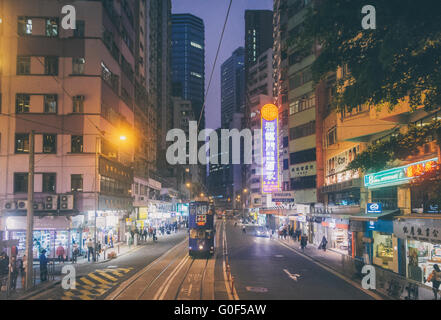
(96, 281)
(265, 270)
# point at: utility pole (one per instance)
(30, 216)
(97, 151)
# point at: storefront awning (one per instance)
(374, 216)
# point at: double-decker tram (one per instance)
(201, 227)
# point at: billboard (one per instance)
(270, 168)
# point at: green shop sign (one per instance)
(399, 175)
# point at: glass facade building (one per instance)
(188, 60)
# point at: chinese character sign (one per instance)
(270, 172)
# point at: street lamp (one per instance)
(188, 185)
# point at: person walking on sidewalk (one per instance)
(75, 253)
(89, 245)
(323, 243)
(303, 242)
(23, 265)
(13, 272)
(435, 278)
(98, 250)
(43, 266)
(60, 253)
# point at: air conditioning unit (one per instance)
(66, 202)
(22, 204)
(51, 203)
(9, 205)
(38, 206)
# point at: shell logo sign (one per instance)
(269, 112)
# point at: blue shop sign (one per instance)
(374, 208)
(385, 226)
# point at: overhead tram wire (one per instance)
(215, 60)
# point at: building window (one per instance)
(51, 66)
(22, 103)
(50, 103)
(21, 143)
(49, 143)
(302, 156)
(303, 130)
(80, 30)
(52, 27)
(78, 65)
(24, 26)
(20, 182)
(299, 183)
(49, 182)
(285, 164)
(285, 142)
(76, 182)
(76, 144)
(23, 65)
(331, 137)
(78, 104)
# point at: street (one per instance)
(261, 269)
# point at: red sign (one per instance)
(201, 219)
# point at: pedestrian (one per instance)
(303, 242)
(23, 266)
(284, 233)
(145, 234)
(435, 278)
(154, 234)
(13, 272)
(323, 243)
(43, 266)
(75, 253)
(89, 245)
(98, 250)
(60, 253)
(4, 264)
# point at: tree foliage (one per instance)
(429, 184)
(400, 58)
(399, 146)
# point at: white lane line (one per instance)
(164, 288)
(353, 283)
(293, 276)
(234, 295)
(135, 277)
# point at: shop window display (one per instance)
(383, 249)
(421, 256)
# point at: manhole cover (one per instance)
(256, 289)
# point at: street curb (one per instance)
(347, 279)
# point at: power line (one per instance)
(215, 60)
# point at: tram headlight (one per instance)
(201, 247)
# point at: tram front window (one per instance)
(197, 234)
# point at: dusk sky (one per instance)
(213, 13)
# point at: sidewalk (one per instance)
(389, 286)
(55, 275)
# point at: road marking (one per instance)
(112, 267)
(279, 256)
(132, 279)
(256, 289)
(293, 276)
(87, 281)
(108, 276)
(94, 277)
(189, 289)
(164, 288)
(353, 283)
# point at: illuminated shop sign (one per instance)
(374, 208)
(269, 120)
(399, 175)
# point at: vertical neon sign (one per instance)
(270, 167)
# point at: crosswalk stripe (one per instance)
(91, 275)
(84, 297)
(116, 273)
(108, 276)
(66, 298)
(125, 269)
(87, 282)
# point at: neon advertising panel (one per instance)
(270, 167)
